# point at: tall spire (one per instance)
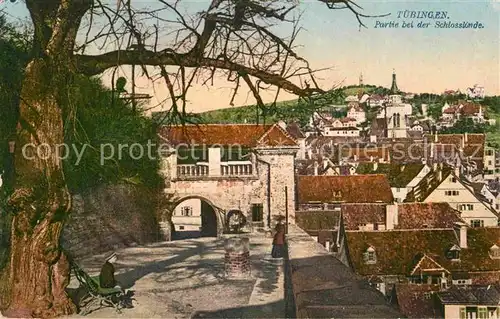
(394, 87)
(361, 79)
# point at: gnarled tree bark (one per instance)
(37, 272)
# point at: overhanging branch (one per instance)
(93, 65)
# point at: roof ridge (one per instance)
(280, 129)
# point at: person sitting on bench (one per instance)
(107, 280)
(107, 275)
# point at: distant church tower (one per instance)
(361, 79)
(394, 86)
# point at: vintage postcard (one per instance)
(250, 159)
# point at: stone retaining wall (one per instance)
(111, 217)
(320, 286)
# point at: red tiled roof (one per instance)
(376, 97)
(398, 251)
(355, 214)
(426, 215)
(248, 135)
(347, 189)
(473, 144)
(413, 303)
(469, 108)
(347, 119)
(450, 110)
(426, 265)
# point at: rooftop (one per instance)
(426, 215)
(415, 300)
(346, 189)
(314, 221)
(399, 251)
(355, 214)
(471, 295)
(399, 175)
(246, 135)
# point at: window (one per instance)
(181, 227)
(451, 193)
(463, 313)
(495, 252)
(369, 256)
(466, 207)
(453, 253)
(453, 180)
(477, 223)
(186, 211)
(482, 313)
(257, 212)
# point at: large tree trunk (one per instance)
(38, 272)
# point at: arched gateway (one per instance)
(196, 216)
(246, 167)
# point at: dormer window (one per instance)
(370, 256)
(453, 253)
(495, 252)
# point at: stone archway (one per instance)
(208, 222)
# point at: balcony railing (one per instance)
(226, 169)
(236, 169)
(192, 170)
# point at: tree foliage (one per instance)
(95, 118)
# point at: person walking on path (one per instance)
(279, 242)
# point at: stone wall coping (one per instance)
(324, 287)
(213, 178)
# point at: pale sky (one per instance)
(425, 60)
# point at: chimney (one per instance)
(465, 136)
(434, 166)
(432, 151)
(462, 231)
(371, 158)
(373, 138)
(464, 139)
(436, 137)
(440, 175)
(316, 168)
(355, 157)
(325, 163)
(375, 166)
(391, 216)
